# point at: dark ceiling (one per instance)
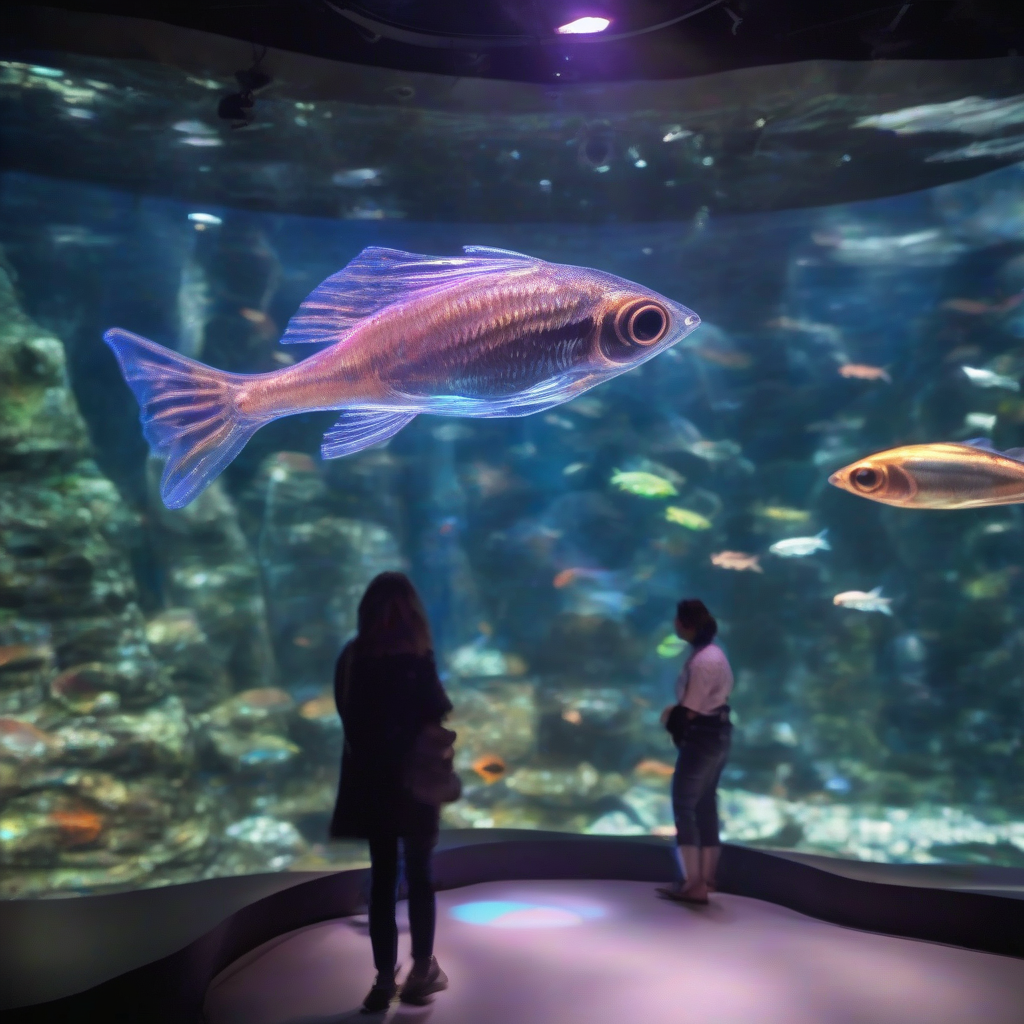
(647, 39)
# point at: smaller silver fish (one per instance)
(989, 379)
(800, 547)
(861, 601)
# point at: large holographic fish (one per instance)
(492, 333)
(941, 476)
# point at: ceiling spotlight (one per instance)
(583, 26)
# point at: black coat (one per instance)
(389, 700)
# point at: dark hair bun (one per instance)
(692, 613)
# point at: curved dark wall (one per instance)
(105, 936)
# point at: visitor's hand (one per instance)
(666, 713)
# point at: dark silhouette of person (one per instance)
(700, 727)
(387, 689)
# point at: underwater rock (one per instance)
(177, 641)
(566, 787)
(601, 724)
(499, 717)
(210, 569)
(259, 843)
(26, 663)
(315, 567)
(96, 758)
(247, 730)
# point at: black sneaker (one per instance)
(423, 981)
(379, 997)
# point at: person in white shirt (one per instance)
(700, 728)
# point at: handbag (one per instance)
(677, 724)
(427, 774)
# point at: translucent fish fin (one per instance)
(546, 395)
(379, 277)
(357, 429)
(877, 592)
(980, 442)
(487, 250)
(187, 411)
(1014, 453)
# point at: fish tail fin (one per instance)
(188, 411)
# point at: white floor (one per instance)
(585, 952)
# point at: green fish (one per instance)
(644, 485)
(670, 646)
(687, 517)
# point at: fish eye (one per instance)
(866, 479)
(641, 323)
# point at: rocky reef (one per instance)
(133, 750)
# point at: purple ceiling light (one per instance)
(583, 26)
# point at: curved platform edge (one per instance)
(171, 988)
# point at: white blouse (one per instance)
(705, 682)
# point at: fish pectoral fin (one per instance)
(380, 277)
(357, 429)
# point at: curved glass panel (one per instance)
(165, 702)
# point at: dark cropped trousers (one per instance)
(702, 756)
(417, 852)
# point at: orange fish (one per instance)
(942, 476)
(738, 560)
(22, 740)
(15, 656)
(730, 358)
(659, 769)
(572, 716)
(318, 707)
(861, 371)
(567, 576)
(78, 827)
(490, 767)
(264, 324)
(978, 307)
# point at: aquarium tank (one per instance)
(852, 239)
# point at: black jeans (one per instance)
(417, 851)
(702, 756)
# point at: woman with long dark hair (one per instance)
(700, 727)
(387, 691)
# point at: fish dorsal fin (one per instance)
(488, 250)
(877, 592)
(986, 446)
(379, 277)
